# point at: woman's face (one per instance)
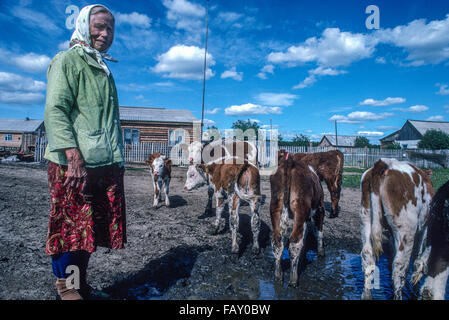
(101, 31)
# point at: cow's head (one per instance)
(196, 177)
(158, 163)
(195, 149)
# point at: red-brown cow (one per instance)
(329, 168)
(296, 205)
(232, 182)
(397, 195)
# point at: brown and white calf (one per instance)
(160, 168)
(223, 151)
(296, 205)
(232, 182)
(329, 168)
(433, 262)
(396, 195)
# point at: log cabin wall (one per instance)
(155, 131)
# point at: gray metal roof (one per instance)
(343, 141)
(156, 114)
(424, 126)
(19, 125)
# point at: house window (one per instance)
(131, 136)
(175, 136)
(8, 137)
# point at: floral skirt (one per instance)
(83, 222)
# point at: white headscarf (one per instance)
(81, 37)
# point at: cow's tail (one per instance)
(288, 164)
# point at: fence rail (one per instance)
(353, 157)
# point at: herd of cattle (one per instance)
(395, 196)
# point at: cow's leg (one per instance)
(255, 222)
(278, 214)
(403, 248)
(318, 220)
(367, 254)
(334, 187)
(234, 221)
(301, 211)
(210, 194)
(422, 257)
(219, 221)
(157, 191)
(166, 191)
(437, 272)
(434, 287)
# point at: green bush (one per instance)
(435, 140)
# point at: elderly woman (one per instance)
(85, 171)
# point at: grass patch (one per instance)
(351, 181)
(359, 170)
(439, 177)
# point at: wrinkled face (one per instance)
(195, 178)
(101, 31)
(158, 165)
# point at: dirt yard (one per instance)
(170, 252)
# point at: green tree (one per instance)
(361, 142)
(245, 125)
(301, 140)
(435, 140)
(394, 146)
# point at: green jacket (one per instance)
(82, 111)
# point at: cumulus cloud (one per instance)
(35, 19)
(276, 99)
(208, 122)
(435, 118)
(370, 133)
(184, 62)
(333, 49)
(425, 43)
(213, 111)
(314, 74)
(233, 74)
(269, 68)
(444, 89)
(30, 62)
(386, 102)
(413, 109)
(251, 109)
(187, 16)
(357, 117)
(16, 89)
(134, 19)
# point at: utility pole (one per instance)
(336, 136)
(204, 72)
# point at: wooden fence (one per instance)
(353, 157)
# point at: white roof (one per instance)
(156, 114)
(424, 126)
(19, 125)
(343, 141)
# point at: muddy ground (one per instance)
(170, 252)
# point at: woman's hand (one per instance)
(76, 172)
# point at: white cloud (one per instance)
(254, 120)
(334, 48)
(435, 118)
(30, 62)
(184, 62)
(444, 89)
(370, 133)
(187, 16)
(386, 102)
(357, 117)
(134, 19)
(213, 111)
(64, 45)
(425, 43)
(413, 109)
(228, 17)
(208, 122)
(276, 99)
(251, 109)
(381, 60)
(15, 89)
(35, 19)
(233, 74)
(314, 73)
(269, 68)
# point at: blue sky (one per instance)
(302, 64)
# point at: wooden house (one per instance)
(412, 132)
(141, 124)
(329, 140)
(20, 134)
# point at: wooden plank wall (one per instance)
(156, 131)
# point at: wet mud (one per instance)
(171, 253)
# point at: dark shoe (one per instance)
(89, 293)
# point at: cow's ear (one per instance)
(281, 154)
(168, 162)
